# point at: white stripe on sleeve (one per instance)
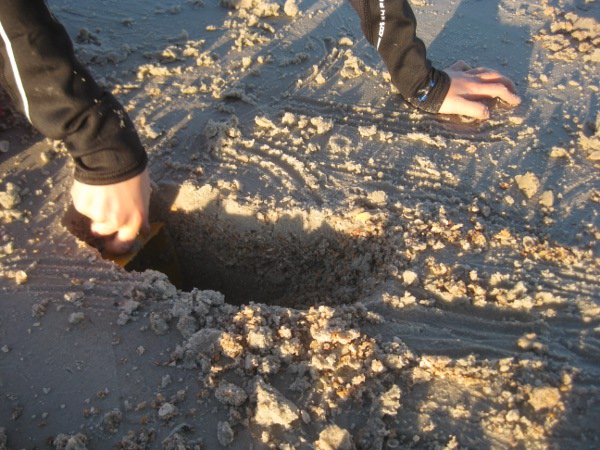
(15, 69)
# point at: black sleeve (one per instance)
(39, 71)
(390, 26)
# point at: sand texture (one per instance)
(353, 274)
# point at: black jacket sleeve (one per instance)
(390, 26)
(39, 71)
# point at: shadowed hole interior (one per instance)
(288, 260)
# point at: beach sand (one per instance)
(355, 274)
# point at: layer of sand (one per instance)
(355, 274)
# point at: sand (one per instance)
(355, 274)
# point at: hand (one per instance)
(469, 86)
(118, 211)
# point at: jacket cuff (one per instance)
(100, 168)
(431, 94)
(105, 145)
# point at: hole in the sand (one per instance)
(251, 258)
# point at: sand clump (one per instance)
(544, 398)
(572, 36)
(589, 141)
(10, 198)
(70, 442)
(290, 8)
(528, 184)
(225, 434)
(334, 438)
(178, 440)
(112, 420)
(272, 408)
(134, 441)
(259, 8)
(167, 411)
(230, 394)
(246, 27)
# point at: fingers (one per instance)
(475, 110)
(499, 90)
(122, 241)
(469, 86)
(490, 76)
(464, 107)
(476, 90)
(479, 71)
(482, 74)
(102, 229)
(119, 238)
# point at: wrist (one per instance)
(431, 93)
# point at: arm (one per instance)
(391, 27)
(62, 100)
